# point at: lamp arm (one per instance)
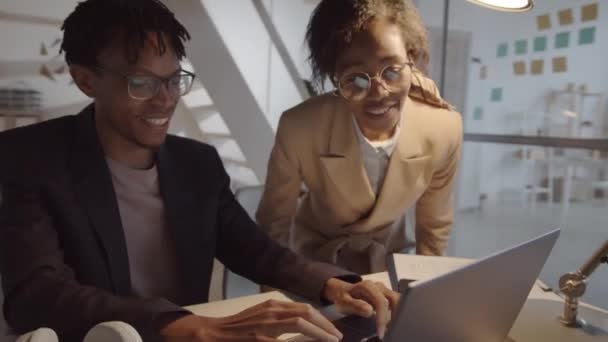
(600, 256)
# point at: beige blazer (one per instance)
(339, 218)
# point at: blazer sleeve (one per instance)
(434, 209)
(278, 205)
(247, 250)
(41, 290)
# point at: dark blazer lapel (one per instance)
(94, 189)
(193, 238)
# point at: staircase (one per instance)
(245, 76)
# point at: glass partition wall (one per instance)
(532, 89)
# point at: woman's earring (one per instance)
(335, 92)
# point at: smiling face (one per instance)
(130, 125)
(136, 122)
(378, 47)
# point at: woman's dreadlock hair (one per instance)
(95, 23)
(334, 23)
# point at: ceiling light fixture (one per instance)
(506, 5)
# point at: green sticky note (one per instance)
(562, 40)
(521, 47)
(501, 50)
(478, 113)
(586, 36)
(496, 95)
(540, 44)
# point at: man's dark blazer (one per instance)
(63, 256)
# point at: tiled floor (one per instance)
(497, 226)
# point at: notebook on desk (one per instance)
(477, 302)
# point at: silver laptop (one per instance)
(478, 302)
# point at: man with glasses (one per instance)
(145, 87)
(381, 143)
(106, 217)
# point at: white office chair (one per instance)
(39, 335)
(103, 332)
(112, 331)
(234, 285)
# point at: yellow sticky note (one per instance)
(519, 68)
(565, 17)
(560, 64)
(589, 12)
(537, 66)
(543, 22)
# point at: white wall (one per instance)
(58, 10)
(291, 19)
(245, 36)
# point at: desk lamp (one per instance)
(573, 286)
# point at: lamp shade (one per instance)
(506, 5)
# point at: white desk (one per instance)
(533, 323)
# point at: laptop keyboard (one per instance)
(357, 329)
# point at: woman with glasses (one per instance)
(382, 142)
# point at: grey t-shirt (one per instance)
(152, 260)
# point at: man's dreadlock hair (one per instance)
(95, 23)
(334, 23)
